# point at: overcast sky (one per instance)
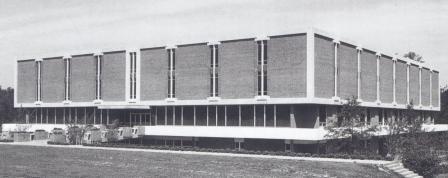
(47, 28)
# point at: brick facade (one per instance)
(425, 87)
(386, 80)
(53, 77)
(414, 90)
(26, 81)
(347, 71)
(113, 76)
(401, 82)
(286, 67)
(435, 89)
(368, 76)
(193, 71)
(237, 63)
(83, 78)
(154, 74)
(324, 67)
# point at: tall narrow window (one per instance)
(171, 75)
(67, 78)
(262, 72)
(133, 75)
(213, 70)
(38, 81)
(99, 63)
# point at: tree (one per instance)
(414, 56)
(350, 126)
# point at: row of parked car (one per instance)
(76, 135)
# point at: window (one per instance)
(99, 62)
(213, 70)
(369, 117)
(171, 74)
(322, 116)
(38, 81)
(262, 72)
(67, 78)
(133, 75)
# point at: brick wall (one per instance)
(425, 87)
(368, 76)
(238, 74)
(193, 71)
(113, 76)
(324, 67)
(53, 74)
(414, 85)
(83, 78)
(386, 80)
(26, 81)
(401, 82)
(435, 89)
(348, 71)
(286, 67)
(154, 74)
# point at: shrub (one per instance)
(423, 162)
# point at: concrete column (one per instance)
(275, 115)
(46, 110)
(156, 122)
(94, 116)
(207, 116)
(359, 50)
(292, 119)
(336, 68)
(194, 115)
(174, 113)
(182, 115)
(63, 118)
(41, 116)
(420, 86)
(76, 115)
(166, 116)
(264, 115)
(55, 115)
(408, 100)
(107, 113)
(225, 115)
(430, 89)
(85, 116)
(239, 115)
(101, 116)
(216, 115)
(255, 116)
(394, 71)
(378, 96)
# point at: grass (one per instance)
(29, 161)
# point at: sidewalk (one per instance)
(43, 143)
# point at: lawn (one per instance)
(28, 161)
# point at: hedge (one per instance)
(277, 153)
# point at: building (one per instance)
(271, 92)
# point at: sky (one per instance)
(49, 28)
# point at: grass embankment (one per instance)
(29, 161)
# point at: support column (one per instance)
(216, 115)
(174, 115)
(420, 86)
(336, 68)
(157, 117)
(182, 115)
(76, 115)
(264, 115)
(275, 115)
(378, 96)
(430, 90)
(41, 116)
(94, 116)
(85, 116)
(194, 115)
(63, 118)
(394, 71)
(407, 83)
(359, 51)
(166, 115)
(55, 116)
(101, 116)
(225, 115)
(107, 113)
(255, 116)
(207, 116)
(46, 110)
(239, 115)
